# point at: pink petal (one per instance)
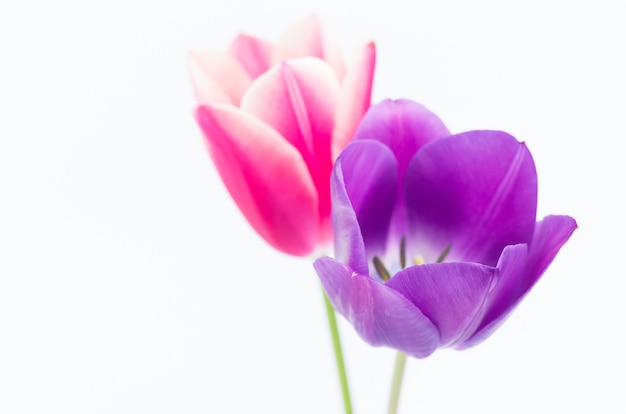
(308, 38)
(265, 176)
(253, 54)
(217, 78)
(297, 99)
(354, 97)
(381, 315)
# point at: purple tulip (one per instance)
(406, 192)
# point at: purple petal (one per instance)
(451, 295)
(476, 191)
(511, 267)
(404, 126)
(381, 315)
(363, 186)
(550, 235)
(520, 268)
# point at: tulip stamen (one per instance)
(418, 259)
(381, 269)
(443, 254)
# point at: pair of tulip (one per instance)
(435, 235)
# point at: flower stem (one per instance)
(341, 368)
(396, 385)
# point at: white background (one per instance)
(129, 282)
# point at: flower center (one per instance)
(418, 259)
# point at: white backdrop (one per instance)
(129, 282)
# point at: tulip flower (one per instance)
(274, 116)
(436, 239)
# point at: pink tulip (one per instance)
(275, 116)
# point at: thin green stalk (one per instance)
(398, 370)
(396, 385)
(341, 368)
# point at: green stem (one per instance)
(396, 385)
(341, 368)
